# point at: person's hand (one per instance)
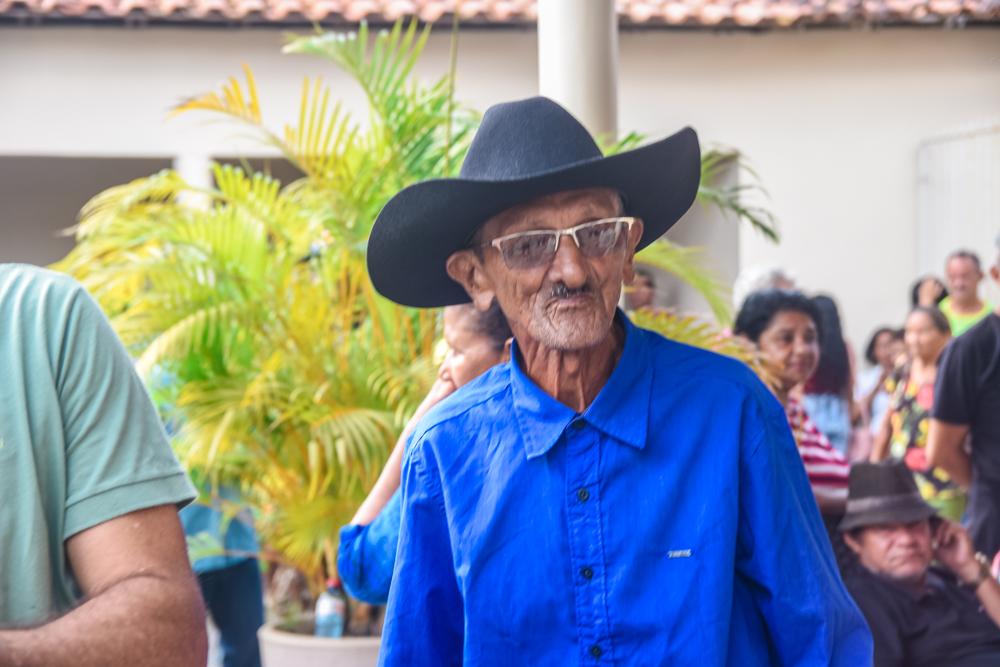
(953, 548)
(439, 390)
(857, 414)
(929, 292)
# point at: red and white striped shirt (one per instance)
(827, 469)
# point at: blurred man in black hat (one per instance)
(919, 614)
(606, 497)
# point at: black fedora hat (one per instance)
(522, 150)
(880, 493)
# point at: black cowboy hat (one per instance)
(522, 150)
(880, 493)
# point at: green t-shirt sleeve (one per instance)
(118, 458)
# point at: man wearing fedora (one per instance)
(607, 496)
(919, 614)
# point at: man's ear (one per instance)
(634, 236)
(505, 357)
(466, 269)
(852, 542)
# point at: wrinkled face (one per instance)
(963, 279)
(923, 340)
(900, 551)
(470, 353)
(640, 295)
(790, 343)
(568, 303)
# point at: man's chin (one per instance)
(910, 572)
(573, 330)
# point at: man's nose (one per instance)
(568, 265)
(904, 536)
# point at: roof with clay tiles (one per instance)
(698, 14)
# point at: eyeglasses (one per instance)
(528, 250)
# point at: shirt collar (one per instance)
(621, 409)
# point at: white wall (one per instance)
(831, 119)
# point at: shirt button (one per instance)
(596, 651)
(586, 573)
(583, 495)
(578, 424)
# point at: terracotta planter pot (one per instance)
(279, 648)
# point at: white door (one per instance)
(958, 198)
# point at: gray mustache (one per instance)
(560, 291)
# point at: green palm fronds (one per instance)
(248, 307)
(731, 199)
(696, 332)
(684, 263)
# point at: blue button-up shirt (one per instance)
(367, 554)
(669, 524)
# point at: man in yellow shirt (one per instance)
(962, 306)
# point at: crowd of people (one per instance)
(919, 429)
(574, 489)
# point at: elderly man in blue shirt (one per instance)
(607, 497)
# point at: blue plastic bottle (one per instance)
(331, 610)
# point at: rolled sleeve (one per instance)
(118, 458)
(955, 387)
(367, 554)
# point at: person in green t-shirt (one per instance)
(93, 562)
(962, 306)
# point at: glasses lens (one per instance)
(521, 252)
(598, 238)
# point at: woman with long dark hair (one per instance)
(903, 431)
(784, 326)
(827, 395)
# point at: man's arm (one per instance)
(880, 446)
(783, 549)
(946, 449)
(953, 547)
(424, 620)
(955, 396)
(142, 605)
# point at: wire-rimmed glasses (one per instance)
(527, 250)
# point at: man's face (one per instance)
(963, 279)
(567, 303)
(900, 551)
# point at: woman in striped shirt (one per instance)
(784, 325)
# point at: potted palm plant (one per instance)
(289, 376)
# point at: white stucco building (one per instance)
(877, 135)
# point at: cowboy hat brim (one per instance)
(420, 227)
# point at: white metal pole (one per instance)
(578, 60)
(196, 169)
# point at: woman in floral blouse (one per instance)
(903, 432)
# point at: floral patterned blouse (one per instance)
(909, 416)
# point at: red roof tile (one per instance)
(635, 13)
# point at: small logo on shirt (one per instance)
(679, 553)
